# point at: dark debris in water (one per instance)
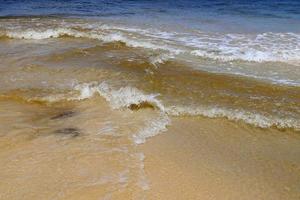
(141, 106)
(73, 132)
(63, 115)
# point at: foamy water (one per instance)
(80, 93)
(217, 47)
(238, 54)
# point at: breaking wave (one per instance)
(224, 47)
(135, 99)
(129, 97)
(132, 98)
(125, 97)
(248, 117)
(113, 36)
(265, 47)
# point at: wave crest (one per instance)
(248, 117)
(124, 97)
(132, 98)
(129, 97)
(265, 47)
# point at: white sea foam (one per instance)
(248, 117)
(152, 128)
(127, 96)
(123, 97)
(39, 34)
(107, 36)
(162, 58)
(265, 47)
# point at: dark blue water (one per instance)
(219, 15)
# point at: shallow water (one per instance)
(84, 83)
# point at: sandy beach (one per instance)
(216, 159)
(149, 100)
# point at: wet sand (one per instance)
(200, 158)
(66, 157)
(92, 109)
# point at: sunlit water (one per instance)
(83, 83)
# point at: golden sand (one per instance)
(202, 158)
(91, 114)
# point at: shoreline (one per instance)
(195, 158)
(118, 108)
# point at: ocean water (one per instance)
(97, 78)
